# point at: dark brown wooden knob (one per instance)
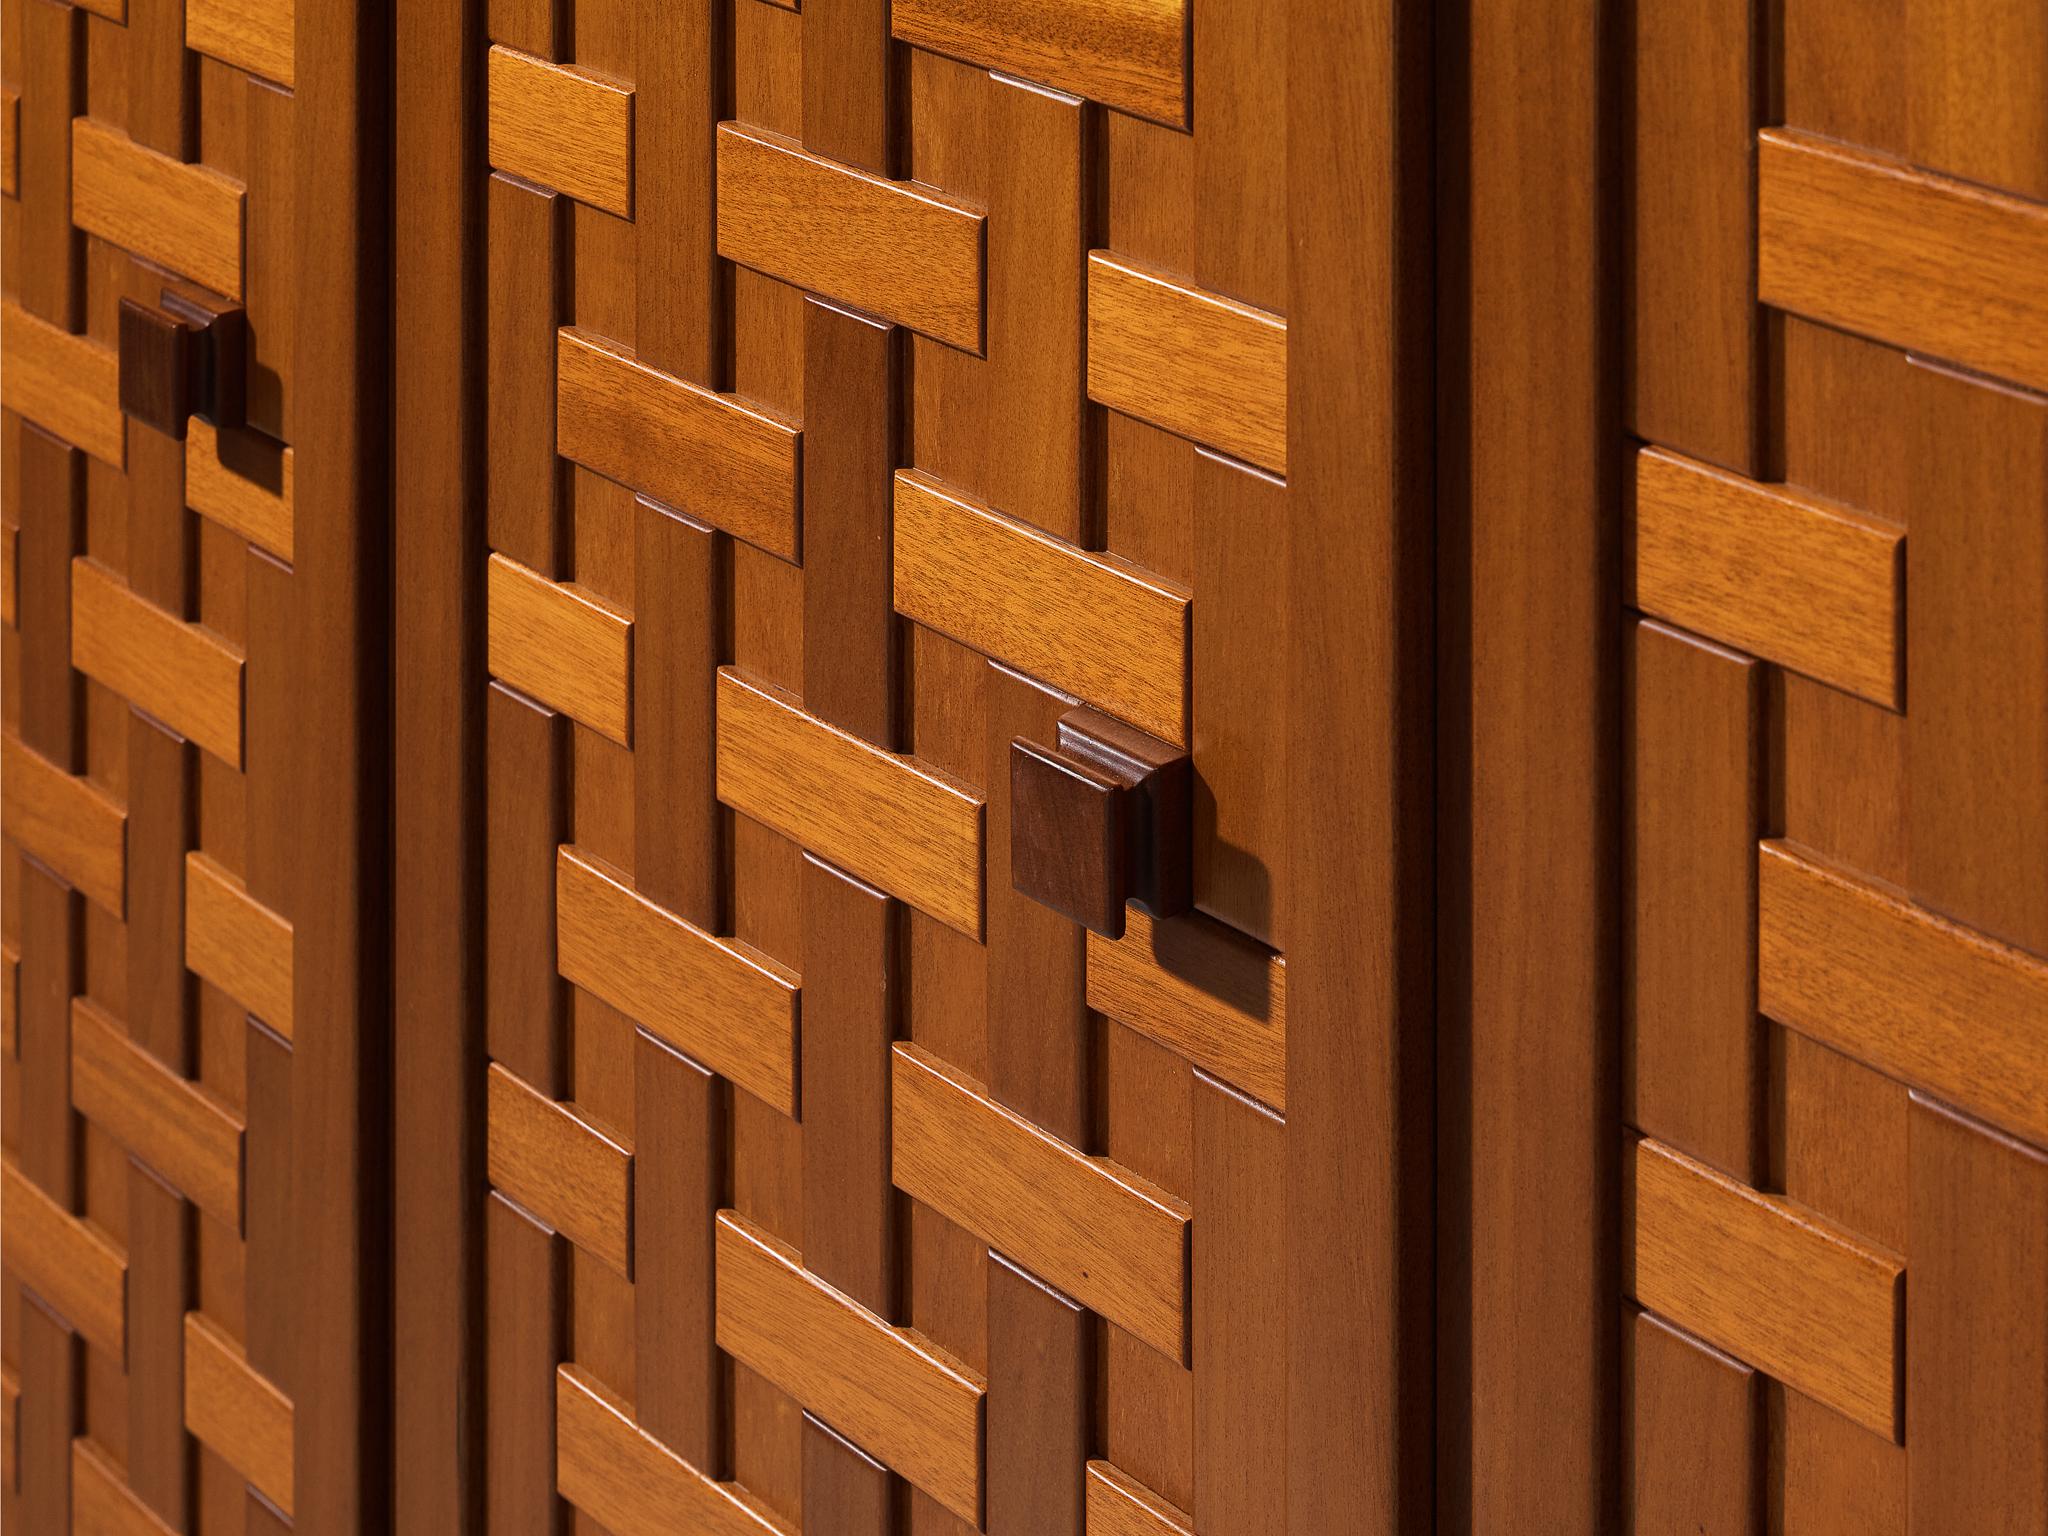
(1102, 818)
(186, 356)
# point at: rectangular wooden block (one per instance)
(1814, 587)
(719, 1001)
(890, 248)
(10, 999)
(1120, 1505)
(882, 816)
(1932, 265)
(237, 943)
(1193, 362)
(242, 481)
(1127, 54)
(67, 1260)
(64, 383)
(67, 823)
(102, 1503)
(240, 1416)
(10, 143)
(1767, 1281)
(888, 1389)
(180, 673)
(1085, 1224)
(1896, 987)
(170, 1122)
(1695, 1461)
(185, 217)
(632, 1484)
(256, 35)
(562, 127)
(1093, 625)
(551, 1160)
(709, 455)
(10, 567)
(1200, 989)
(564, 645)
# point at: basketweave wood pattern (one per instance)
(1836, 1049)
(153, 1305)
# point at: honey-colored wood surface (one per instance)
(1120, 1505)
(235, 1412)
(63, 382)
(1096, 1230)
(10, 999)
(173, 1124)
(565, 1170)
(182, 216)
(237, 943)
(563, 645)
(10, 143)
(721, 1001)
(885, 817)
(1694, 1452)
(182, 673)
(1128, 54)
(67, 823)
(102, 1503)
(10, 556)
(1093, 625)
(256, 35)
(242, 482)
(562, 127)
(69, 1259)
(1816, 588)
(908, 1403)
(890, 248)
(1767, 1282)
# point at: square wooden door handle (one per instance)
(185, 356)
(1104, 817)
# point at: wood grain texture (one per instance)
(242, 481)
(1967, 112)
(1200, 989)
(170, 1122)
(10, 1432)
(1120, 1505)
(10, 143)
(10, 566)
(185, 217)
(236, 1413)
(102, 1503)
(1041, 1353)
(1696, 1460)
(183, 674)
(255, 35)
(10, 998)
(714, 456)
(1110, 1239)
(66, 383)
(722, 1002)
(1090, 624)
(70, 1261)
(893, 1392)
(623, 1477)
(563, 127)
(525, 1321)
(1817, 588)
(554, 1162)
(891, 248)
(1766, 1281)
(237, 943)
(883, 816)
(1128, 54)
(1922, 262)
(563, 644)
(1196, 363)
(1919, 998)
(66, 822)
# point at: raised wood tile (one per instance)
(562, 127)
(10, 1430)
(1917, 997)
(1695, 1454)
(1127, 54)
(1201, 989)
(1120, 1505)
(1765, 1280)
(719, 1001)
(10, 999)
(10, 566)
(184, 217)
(1096, 1230)
(891, 248)
(242, 481)
(240, 1416)
(889, 1389)
(256, 35)
(1193, 362)
(1933, 265)
(564, 646)
(102, 1503)
(713, 456)
(182, 674)
(237, 943)
(1781, 575)
(64, 383)
(1090, 624)
(67, 1260)
(67, 823)
(555, 1163)
(633, 1485)
(168, 1121)
(10, 143)
(882, 816)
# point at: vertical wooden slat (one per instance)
(52, 93)
(52, 926)
(52, 511)
(160, 1289)
(52, 1410)
(1695, 1452)
(526, 820)
(270, 814)
(272, 1327)
(528, 266)
(525, 1319)
(845, 1485)
(1040, 1364)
